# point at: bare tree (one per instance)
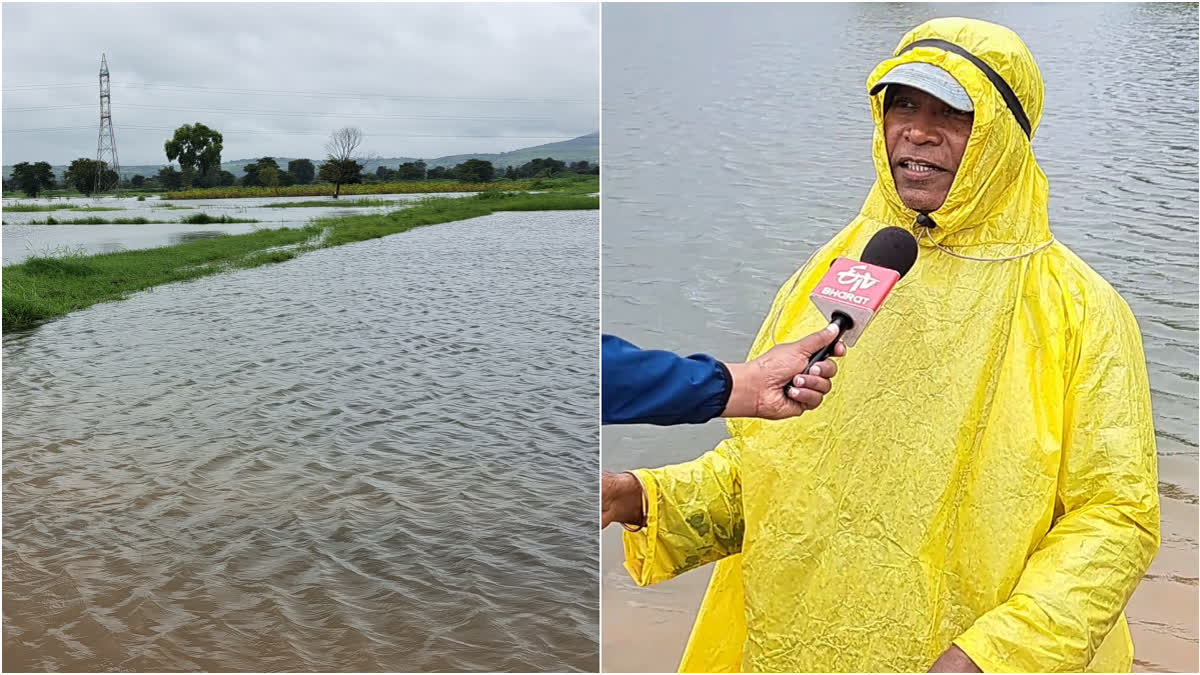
(340, 164)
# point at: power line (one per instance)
(289, 113)
(316, 94)
(287, 133)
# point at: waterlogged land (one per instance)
(325, 190)
(196, 219)
(46, 287)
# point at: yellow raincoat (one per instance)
(982, 474)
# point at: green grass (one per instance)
(433, 210)
(30, 208)
(326, 203)
(194, 219)
(205, 219)
(173, 207)
(48, 287)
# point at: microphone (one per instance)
(851, 292)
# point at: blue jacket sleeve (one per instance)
(658, 387)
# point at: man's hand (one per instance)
(954, 660)
(758, 385)
(620, 499)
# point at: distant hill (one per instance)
(585, 147)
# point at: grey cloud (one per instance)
(450, 60)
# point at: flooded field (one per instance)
(22, 240)
(375, 457)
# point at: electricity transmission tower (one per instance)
(106, 142)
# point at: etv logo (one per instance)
(857, 277)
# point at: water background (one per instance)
(736, 139)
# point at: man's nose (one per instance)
(923, 131)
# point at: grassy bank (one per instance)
(196, 219)
(569, 183)
(326, 203)
(45, 288)
(34, 208)
(325, 190)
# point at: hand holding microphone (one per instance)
(851, 292)
(769, 388)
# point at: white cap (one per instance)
(930, 79)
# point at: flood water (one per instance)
(374, 457)
(737, 139)
(22, 240)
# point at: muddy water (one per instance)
(737, 139)
(22, 240)
(376, 457)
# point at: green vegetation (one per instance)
(205, 219)
(326, 203)
(30, 208)
(48, 287)
(195, 219)
(44, 288)
(433, 210)
(325, 190)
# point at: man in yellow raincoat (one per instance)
(981, 491)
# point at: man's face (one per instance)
(925, 142)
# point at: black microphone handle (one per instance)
(844, 323)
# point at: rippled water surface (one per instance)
(380, 456)
(736, 139)
(23, 240)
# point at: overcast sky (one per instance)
(420, 80)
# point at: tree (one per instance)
(32, 179)
(411, 170)
(385, 174)
(169, 178)
(269, 177)
(339, 166)
(438, 172)
(138, 181)
(541, 168)
(196, 147)
(475, 171)
(302, 170)
(82, 175)
(340, 172)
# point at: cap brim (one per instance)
(930, 79)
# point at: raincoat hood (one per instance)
(999, 195)
(983, 472)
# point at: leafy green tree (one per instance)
(541, 168)
(32, 179)
(438, 172)
(81, 175)
(169, 178)
(269, 177)
(411, 170)
(196, 147)
(138, 181)
(286, 179)
(340, 172)
(475, 171)
(385, 174)
(250, 178)
(302, 170)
